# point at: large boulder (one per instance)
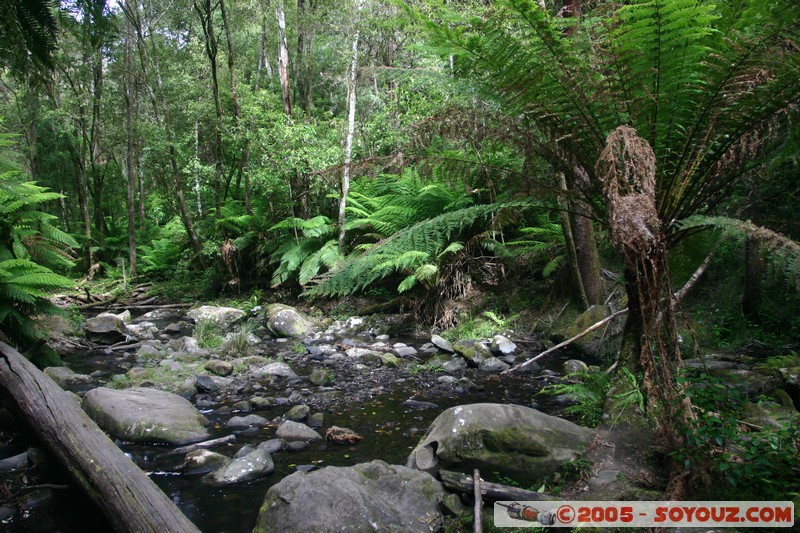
(516, 441)
(106, 329)
(223, 317)
(286, 321)
(371, 496)
(473, 351)
(145, 415)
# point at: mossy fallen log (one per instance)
(458, 482)
(130, 501)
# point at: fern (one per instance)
(783, 252)
(406, 251)
(589, 390)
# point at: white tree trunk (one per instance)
(283, 60)
(351, 128)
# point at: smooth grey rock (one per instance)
(291, 430)
(218, 367)
(492, 365)
(502, 345)
(246, 421)
(202, 462)
(371, 496)
(205, 383)
(473, 351)
(442, 343)
(277, 369)
(285, 321)
(272, 445)
(106, 329)
(511, 439)
(405, 351)
(147, 353)
(254, 465)
(362, 353)
(573, 366)
(224, 317)
(145, 415)
(297, 413)
(65, 377)
(455, 365)
(320, 377)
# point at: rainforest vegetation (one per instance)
(507, 159)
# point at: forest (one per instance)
(481, 167)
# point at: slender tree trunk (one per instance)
(244, 164)
(586, 246)
(351, 126)
(161, 116)
(572, 255)
(307, 83)
(283, 60)
(263, 60)
(130, 167)
(205, 11)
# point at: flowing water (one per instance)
(389, 428)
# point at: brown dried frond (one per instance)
(627, 168)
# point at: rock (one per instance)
(750, 383)
(362, 353)
(492, 365)
(205, 383)
(272, 445)
(185, 344)
(297, 413)
(416, 404)
(455, 365)
(202, 462)
(147, 353)
(388, 359)
(447, 380)
(502, 345)
(574, 366)
(246, 421)
(218, 367)
(371, 496)
(223, 317)
(106, 329)
(65, 377)
(286, 321)
(320, 377)
(405, 351)
(516, 441)
(254, 465)
(291, 430)
(317, 420)
(473, 351)
(442, 343)
(145, 415)
(295, 446)
(339, 435)
(771, 415)
(277, 369)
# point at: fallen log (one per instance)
(205, 444)
(459, 482)
(130, 501)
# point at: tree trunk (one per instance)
(130, 501)
(206, 13)
(130, 94)
(244, 164)
(351, 127)
(627, 167)
(263, 61)
(157, 99)
(569, 241)
(283, 60)
(585, 244)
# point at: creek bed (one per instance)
(389, 428)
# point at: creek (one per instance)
(376, 411)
